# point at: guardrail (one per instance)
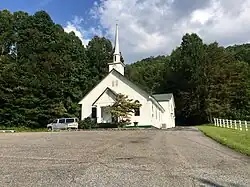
(7, 131)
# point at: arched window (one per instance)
(137, 110)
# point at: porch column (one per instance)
(98, 114)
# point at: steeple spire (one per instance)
(117, 48)
(117, 55)
(117, 64)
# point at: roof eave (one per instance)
(81, 102)
(115, 94)
(163, 100)
(110, 63)
(156, 102)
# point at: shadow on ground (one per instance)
(207, 182)
(183, 128)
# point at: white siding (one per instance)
(150, 113)
(106, 99)
(168, 117)
(117, 66)
(155, 115)
(119, 87)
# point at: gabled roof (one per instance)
(95, 86)
(107, 89)
(146, 93)
(118, 73)
(163, 97)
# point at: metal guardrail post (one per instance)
(7, 131)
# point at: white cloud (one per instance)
(209, 13)
(43, 3)
(75, 26)
(155, 27)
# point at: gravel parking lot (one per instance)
(181, 157)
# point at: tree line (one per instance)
(44, 72)
(207, 80)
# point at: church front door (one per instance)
(105, 115)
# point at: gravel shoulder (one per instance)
(178, 157)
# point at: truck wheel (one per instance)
(49, 128)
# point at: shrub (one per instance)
(87, 123)
(107, 125)
(123, 123)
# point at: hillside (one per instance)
(44, 72)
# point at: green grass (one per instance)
(24, 129)
(235, 139)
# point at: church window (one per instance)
(137, 112)
(93, 114)
(116, 82)
(115, 58)
(152, 110)
(113, 83)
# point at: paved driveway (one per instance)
(175, 158)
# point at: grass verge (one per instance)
(234, 139)
(24, 129)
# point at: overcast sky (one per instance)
(153, 27)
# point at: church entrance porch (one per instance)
(105, 115)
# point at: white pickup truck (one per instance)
(63, 123)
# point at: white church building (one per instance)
(156, 110)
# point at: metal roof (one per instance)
(115, 71)
(163, 97)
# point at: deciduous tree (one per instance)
(123, 108)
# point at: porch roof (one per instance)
(107, 89)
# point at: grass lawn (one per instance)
(24, 129)
(235, 139)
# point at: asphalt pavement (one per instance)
(178, 157)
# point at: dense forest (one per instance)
(207, 80)
(44, 72)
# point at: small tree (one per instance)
(123, 108)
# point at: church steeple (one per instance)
(117, 48)
(117, 64)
